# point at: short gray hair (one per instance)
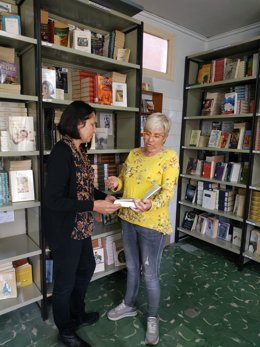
(158, 121)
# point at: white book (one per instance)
(130, 202)
(99, 258)
(48, 84)
(209, 199)
(81, 40)
(21, 133)
(21, 185)
(119, 94)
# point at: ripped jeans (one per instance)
(143, 250)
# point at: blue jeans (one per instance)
(143, 251)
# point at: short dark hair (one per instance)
(74, 114)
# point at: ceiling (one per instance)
(206, 17)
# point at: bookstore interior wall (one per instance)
(219, 188)
(51, 54)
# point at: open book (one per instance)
(130, 202)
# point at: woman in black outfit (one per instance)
(69, 199)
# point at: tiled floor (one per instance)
(206, 302)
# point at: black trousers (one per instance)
(74, 265)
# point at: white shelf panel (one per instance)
(216, 149)
(20, 154)
(217, 242)
(26, 296)
(253, 222)
(256, 186)
(221, 116)
(102, 151)
(199, 178)
(96, 106)
(20, 205)
(19, 42)
(220, 83)
(78, 58)
(18, 97)
(217, 212)
(17, 247)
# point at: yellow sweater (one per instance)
(139, 174)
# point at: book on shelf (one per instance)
(231, 68)
(223, 230)
(204, 73)
(203, 141)
(81, 40)
(220, 171)
(237, 236)
(23, 272)
(119, 94)
(61, 33)
(230, 103)
(101, 138)
(206, 127)
(130, 201)
(209, 199)
(194, 137)
(48, 83)
(8, 287)
(214, 139)
(236, 138)
(252, 247)
(244, 172)
(212, 227)
(97, 43)
(99, 259)
(119, 253)
(247, 140)
(239, 205)
(208, 169)
(123, 54)
(224, 140)
(218, 69)
(190, 194)
(104, 89)
(10, 23)
(190, 220)
(8, 72)
(235, 172)
(21, 185)
(212, 103)
(7, 54)
(21, 133)
(191, 166)
(201, 223)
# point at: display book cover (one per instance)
(130, 202)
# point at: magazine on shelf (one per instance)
(21, 133)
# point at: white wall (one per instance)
(187, 43)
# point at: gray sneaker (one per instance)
(152, 332)
(121, 311)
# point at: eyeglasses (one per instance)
(156, 136)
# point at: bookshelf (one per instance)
(214, 85)
(24, 239)
(151, 102)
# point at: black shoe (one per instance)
(70, 339)
(88, 319)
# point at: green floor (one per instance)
(205, 302)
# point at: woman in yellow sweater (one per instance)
(145, 226)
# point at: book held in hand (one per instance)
(130, 202)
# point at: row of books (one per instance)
(110, 45)
(239, 100)
(235, 137)
(226, 68)
(13, 275)
(215, 167)
(102, 172)
(210, 196)
(221, 228)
